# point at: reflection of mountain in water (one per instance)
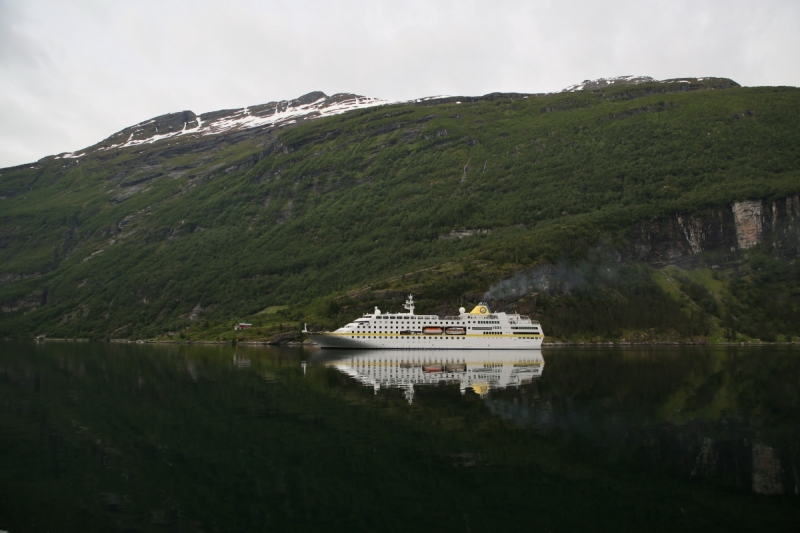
(480, 371)
(724, 418)
(715, 415)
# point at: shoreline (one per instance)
(551, 344)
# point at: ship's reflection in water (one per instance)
(478, 370)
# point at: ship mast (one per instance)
(409, 305)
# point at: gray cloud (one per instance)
(73, 73)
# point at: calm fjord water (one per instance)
(196, 438)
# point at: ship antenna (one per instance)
(409, 305)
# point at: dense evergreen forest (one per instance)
(539, 203)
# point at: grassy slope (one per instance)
(297, 214)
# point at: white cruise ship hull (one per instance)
(427, 342)
(480, 329)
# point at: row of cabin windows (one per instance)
(434, 318)
(434, 324)
(422, 317)
(414, 337)
(438, 337)
(444, 322)
(416, 317)
(431, 318)
(395, 327)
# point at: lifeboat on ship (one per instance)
(455, 330)
(432, 368)
(432, 330)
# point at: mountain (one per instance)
(624, 209)
(690, 83)
(174, 126)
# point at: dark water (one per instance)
(97, 437)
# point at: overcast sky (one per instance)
(74, 72)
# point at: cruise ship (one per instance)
(478, 329)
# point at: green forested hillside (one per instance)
(200, 231)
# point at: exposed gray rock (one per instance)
(748, 216)
(195, 313)
(690, 83)
(591, 85)
(460, 234)
(678, 239)
(169, 123)
(31, 301)
(11, 277)
(766, 470)
(233, 123)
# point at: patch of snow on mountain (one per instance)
(154, 138)
(285, 112)
(69, 155)
(607, 82)
(427, 98)
(573, 88)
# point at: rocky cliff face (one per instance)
(748, 217)
(680, 238)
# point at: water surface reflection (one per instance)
(709, 415)
(477, 370)
(193, 438)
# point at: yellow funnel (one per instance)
(480, 309)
